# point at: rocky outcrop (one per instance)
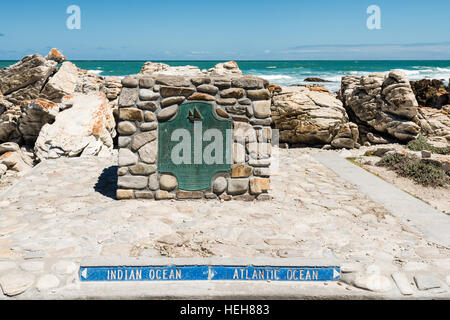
(31, 89)
(312, 79)
(435, 122)
(226, 68)
(221, 69)
(153, 68)
(13, 158)
(9, 121)
(68, 80)
(85, 127)
(310, 118)
(25, 79)
(62, 83)
(34, 115)
(22, 123)
(55, 55)
(431, 93)
(37, 77)
(385, 103)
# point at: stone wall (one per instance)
(146, 101)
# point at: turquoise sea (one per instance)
(288, 72)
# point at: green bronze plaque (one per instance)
(195, 145)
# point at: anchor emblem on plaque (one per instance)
(195, 145)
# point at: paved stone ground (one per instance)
(64, 211)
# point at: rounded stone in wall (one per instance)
(153, 182)
(126, 128)
(220, 185)
(168, 182)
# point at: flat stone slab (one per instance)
(427, 282)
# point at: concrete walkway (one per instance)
(434, 225)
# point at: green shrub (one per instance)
(421, 143)
(423, 171)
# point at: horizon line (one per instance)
(242, 60)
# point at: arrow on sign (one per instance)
(335, 274)
(84, 273)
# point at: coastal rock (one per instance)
(25, 79)
(312, 79)
(55, 55)
(3, 169)
(9, 147)
(430, 93)
(153, 68)
(347, 136)
(317, 87)
(15, 160)
(309, 118)
(37, 77)
(386, 103)
(87, 125)
(435, 122)
(9, 121)
(62, 83)
(226, 68)
(35, 114)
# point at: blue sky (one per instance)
(221, 30)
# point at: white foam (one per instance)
(97, 72)
(276, 77)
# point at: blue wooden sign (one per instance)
(206, 272)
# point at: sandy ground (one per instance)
(438, 197)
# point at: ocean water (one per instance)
(288, 72)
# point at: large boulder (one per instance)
(86, 126)
(386, 103)
(307, 117)
(226, 68)
(62, 83)
(22, 123)
(34, 115)
(431, 93)
(31, 88)
(435, 122)
(38, 77)
(153, 68)
(221, 69)
(9, 124)
(12, 157)
(68, 80)
(25, 79)
(55, 55)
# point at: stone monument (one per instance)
(194, 137)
